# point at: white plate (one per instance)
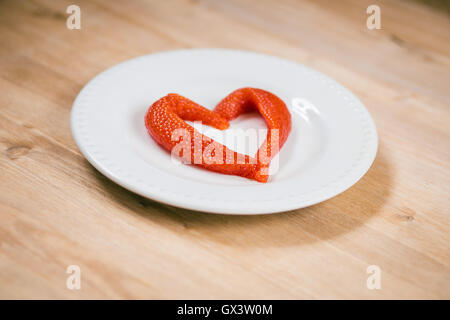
(332, 144)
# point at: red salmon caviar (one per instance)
(165, 120)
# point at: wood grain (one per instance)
(57, 210)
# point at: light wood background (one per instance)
(56, 210)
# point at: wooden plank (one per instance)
(56, 210)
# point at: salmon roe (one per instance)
(165, 122)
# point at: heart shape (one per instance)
(165, 122)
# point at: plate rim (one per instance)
(202, 206)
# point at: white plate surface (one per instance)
(332, 144)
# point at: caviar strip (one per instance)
(272, 109)
(167, 115)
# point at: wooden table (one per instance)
(56, 210)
